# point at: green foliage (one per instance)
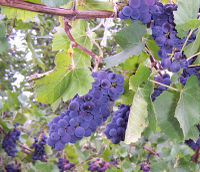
(3, 39)
(188, 108)
(53, 3)
(63, 84)
(165, 116)
(185, 16)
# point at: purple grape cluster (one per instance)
(86, 113)
(145, 167)
(164, 34)
(115, 129)
(100, 165)
(137, 10)
(189, 71)
(39, 151)
(10, 168)
(193, 145)
(164, 79)
(64, 165)
(9, 141)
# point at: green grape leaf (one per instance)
(148, 90)
(55, 3)
(23, 15)
(153, 48)
(187, 10)
(165, 106)
(141, 76)
(63, 84)
(193, 47)
(123, 55)
(188, 108)
(131, 35)
(159, 166)
(137, 118)
(3, 40)
(132, 63)
(127, 96)
(96, 5)
(60, 41)
(46, 166)
(62, 60)
(184, 28)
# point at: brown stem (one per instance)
(151, 151)
(67, 28)
(153, 62)
(196, 155)
(68, 13)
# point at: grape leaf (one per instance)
(131, 35)
(147, 91)
(96, 5)
(165, 106)
(46, 166)
(55, 3)
(3, 39)
(153, 48)
(62, 60)
(187, 10)
(123, 55)
(193, 47)
(24, 15)
(184, 28)
(132, 63)
(141, 76)
(137, 118)
(188, 108)
(63, 84)
(62, 42)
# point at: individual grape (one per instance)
(79, 132)
(10, 140)
(166, 27)
(175, 66)
(162, 53)
(105, 84)
(177, 55)
(160, 41)
(54, 136)
(122, 17)
(145, 17)
(150, 2)
(166, 63)
(39, 149)
(134, 3)
(135, 14)
(74, 106)
(65, 138)
(59, 146)
(126, 11)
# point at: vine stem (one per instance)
(153, 62)
(190, 33)
(74, 44)
(159, 83)
(194, 65)
(193, 56)
(68, 13)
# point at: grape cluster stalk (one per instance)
(86, 113)
(116, 128)
(10, 140)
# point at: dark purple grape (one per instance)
(126, 11)
(134, 3)
(175, 66)
(166, 63)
